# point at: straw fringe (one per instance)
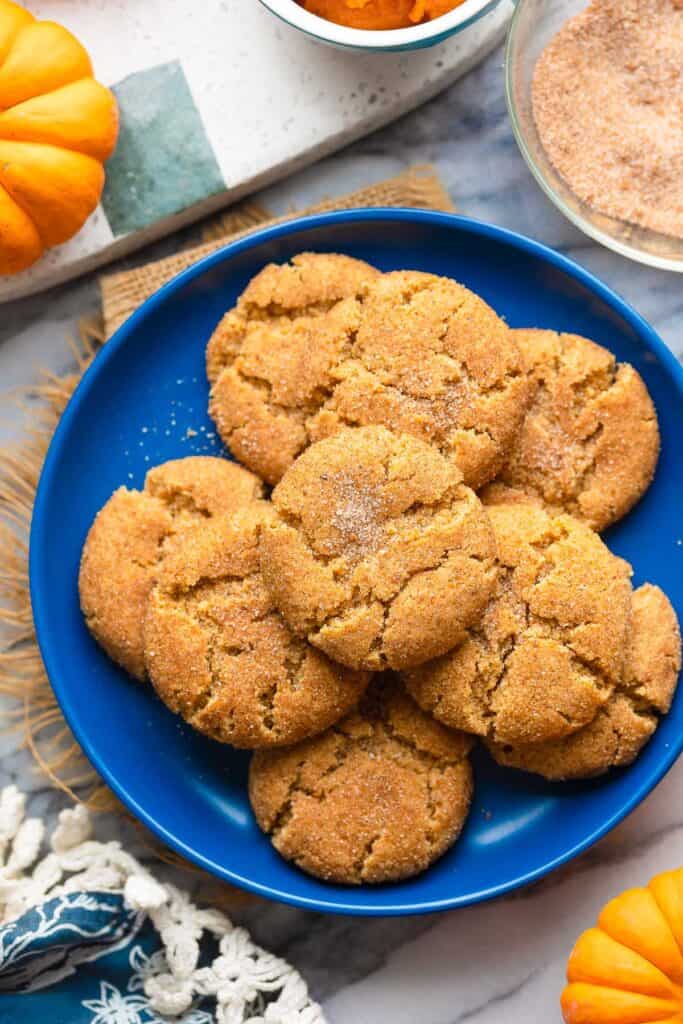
(33, 709)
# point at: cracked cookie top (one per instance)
(378, 797)
(126, 542)
(549, 649)
(379, 554)
(270, 360)
(220, 655)
(431, 359)
(621, 729)
(590, 441)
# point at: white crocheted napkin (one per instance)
(241, 976)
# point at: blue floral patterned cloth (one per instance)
(81, 958)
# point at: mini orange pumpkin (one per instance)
(629, 969)
(57, 127)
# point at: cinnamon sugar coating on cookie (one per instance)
(549, 649)
(589, 442)
(270, 360)
(329, 342)
(379, 554)
(377, 798)
(220, 655)
(432, 359)
(125, 544)
(621, 729)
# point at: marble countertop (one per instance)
(501, 961)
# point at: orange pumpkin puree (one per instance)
(379, 14)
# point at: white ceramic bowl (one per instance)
(414, 38)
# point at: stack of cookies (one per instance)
(426, 570)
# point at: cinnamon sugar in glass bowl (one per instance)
(417, 37)
(534, 24)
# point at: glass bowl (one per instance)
(534, 24)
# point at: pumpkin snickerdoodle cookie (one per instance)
(327, 342)
(432, 359)
(589, 442)
(377, 798)
(219, 654)
(549, 649)
(124, 546)
(379, 554)
(621, 729)
(270, 359)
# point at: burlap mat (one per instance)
(23, 682)
(122, 293)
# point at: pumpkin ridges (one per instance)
(598, 959)
(57, 188)
(20, 243)
(59, 125)
(43, 56)
(81, 116)
(12, 19)
(635, 920)
(627, 969)
(667, 890)
(596, 1004)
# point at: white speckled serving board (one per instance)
(218, 98)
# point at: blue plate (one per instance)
(132, 410)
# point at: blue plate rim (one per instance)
(457, 222)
